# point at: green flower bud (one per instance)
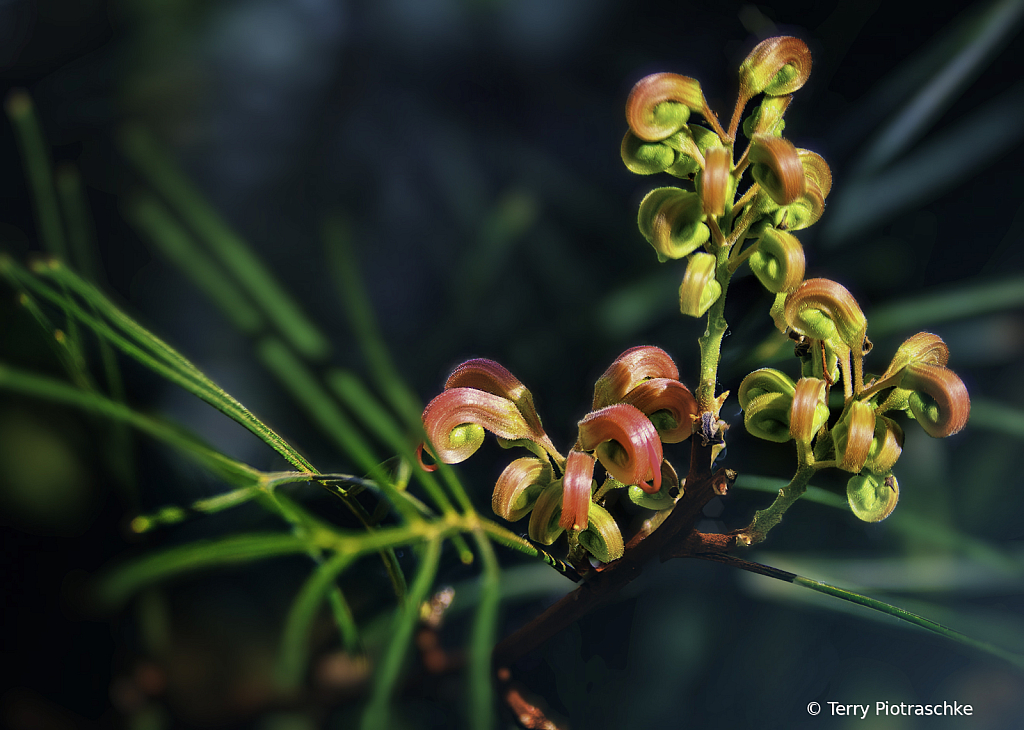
(672, 222)
(778, 262)
(602, 538)
(872, 497)
(699, 289)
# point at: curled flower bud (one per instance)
(493, 378)
(767, 417)
(544, 520)
(519, 486)
(602, 537)
(765, 380)
(629, 369)
(939, 402)
(714, 180)
(777, 168)
(886, 446)
(456, 419)
(822, 309)
(577, 488)
(672, 222)
(660, 104)
(810, 409)
(767, 117)
(778, 262)
(626, 444)
(662, 499)
(648, 158)
(853, 436)
(777, 66)
(668, 404)
(924, 347)
(872, 497)
(699, 289)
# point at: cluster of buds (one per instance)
(638, 405)
(831, 330)
(708, 222)
(704, 218)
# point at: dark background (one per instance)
(473, 149)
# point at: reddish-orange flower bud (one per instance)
(626, 443)
(853, 436)
(668, 404)
(777, 66)
(713, 181)
(940, 402)
(822, 309)
(660, 104)
(492, 377)
(577, 488)
(777, 168)
(456, 419)
(629, 369)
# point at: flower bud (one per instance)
(777, 66)
(602, 537)
(816, 170)
(699, 289)
(939, 402)
(872, 497)
(648, 158)
(767, 117)
(626, 443)
(821, 309)
(777, 168)
(886, 446)
(778, 262)
(660, 104)
(668, 404)
(672, 222)
(767, 417)
(544, 527)
(519, 486)
(765, 380)
(809, 411)
(924, 347)
(853, 436)
(577, 488)
(629, 369)
(492, 377)
(714, 181)
(456, 419)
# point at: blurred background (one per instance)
(471, 148)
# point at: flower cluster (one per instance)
(704, 218)
(708, 222)
(638, 405)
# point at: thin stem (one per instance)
(712, 119)
(764, 520)
(711, 341)
(737, 113)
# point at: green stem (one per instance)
(711, 341)
(764, 520)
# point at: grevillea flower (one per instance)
(638, 404)
(626, 443)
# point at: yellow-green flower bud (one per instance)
(778, 262)
(809, 411)
(699, 289)
(777, 168)
(765, 380)
(671, 220)
(602, 538)
(777, 66)
(767, 417)
(767, 117)
(660, 104)
(886, 446)
(853, 436)
(519, 486)
(873, 497)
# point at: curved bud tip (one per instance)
(456, 419)
(777, 168)
(626, 443)
(777, 66)
(577, 488)
(519, 486)
(668, 404)
(660, 104)
(822, 309)
(853, 436)
(778, 263)
(924, 347)
(602, 538)
(940, 402)
(713, 181)
(492, 377)
(628, 370)
(671, 220)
